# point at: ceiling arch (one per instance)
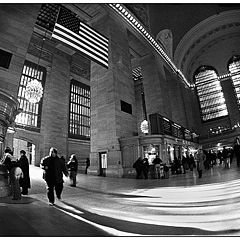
(204, 35)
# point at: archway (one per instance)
(30, 148)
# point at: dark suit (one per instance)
(54, 167)
(25, 181)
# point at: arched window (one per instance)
(79, 114)
(234, 69)
(30, 117)
(210, 94)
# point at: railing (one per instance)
(162, 125)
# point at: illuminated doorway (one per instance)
(28, 147)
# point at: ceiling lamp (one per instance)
(34, 91)
(144, 126)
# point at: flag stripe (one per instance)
(80, 40)
(70, 42)
(71, 31)
(94, 32)
(93, 39)
(82, 50)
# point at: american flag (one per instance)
(70, 30)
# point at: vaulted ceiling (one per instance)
(203, 34)
(181, 17)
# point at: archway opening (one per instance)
(30, 148)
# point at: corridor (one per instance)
(182, 205)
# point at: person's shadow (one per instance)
(23, 200)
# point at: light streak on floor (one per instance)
(209, 206)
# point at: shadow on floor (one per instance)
(23, 200)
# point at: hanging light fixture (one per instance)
(144, 126)
(34, 89)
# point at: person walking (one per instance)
(54, 168)
(87, 165)
(191, 162)
(200, 158)
(236, 150)
(138, 166)
(24, 165)
(145, 167)
(184, 164)
(165, 171)
(226, 157)
(72, 166)
(157, 163)
(17, 176)
(15, 173)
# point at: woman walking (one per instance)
(72, 166)
(200, 158)
(15, 173)
(24, 165)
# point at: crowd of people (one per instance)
(143, 168)
(200, 160)
(54, 167)
(19, 179)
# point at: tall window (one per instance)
(30, 117)
(234, 69)
(79, 124)
(210, 94)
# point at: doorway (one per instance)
(102, 164)
(28, 147)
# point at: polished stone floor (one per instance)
(182, 205)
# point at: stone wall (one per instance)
(19, 37)
(17, 22)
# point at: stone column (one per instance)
(231, 101)
(155, 87)
(108, 88)
(55, 109)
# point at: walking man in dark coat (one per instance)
(139, 167)
(24, 165)
(54, 167)
(236, 150)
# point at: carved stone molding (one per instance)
(83, 71)
(211, 28)
(208, 35)
(35, 50)
(191, 62)
(140, 10)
